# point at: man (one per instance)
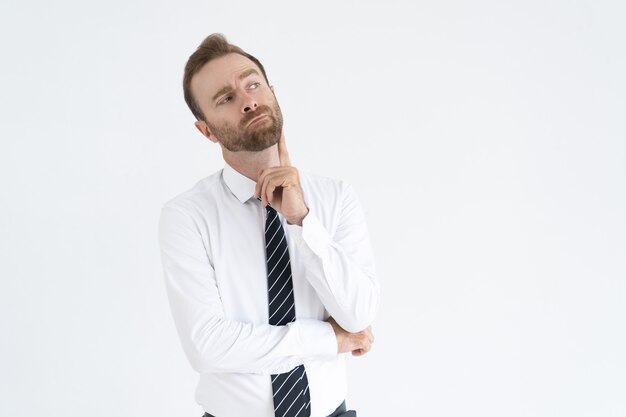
(268, 271)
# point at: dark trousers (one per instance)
(339, 412)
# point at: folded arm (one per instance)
(212, 342)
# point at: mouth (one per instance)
(257, 119)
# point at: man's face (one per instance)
(240, 109)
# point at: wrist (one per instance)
(297, 220)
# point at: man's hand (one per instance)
(358, 343)
(280, 188)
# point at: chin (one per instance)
(263, 144)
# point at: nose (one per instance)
(249, 103)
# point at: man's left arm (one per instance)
(340, 267)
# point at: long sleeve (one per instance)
(212, 342)
(339, 266)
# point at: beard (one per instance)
(253, 138)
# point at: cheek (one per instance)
(226, 118)
(271, 101)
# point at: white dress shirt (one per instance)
(213, 250)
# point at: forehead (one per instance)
(220, 72)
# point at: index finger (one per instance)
(283, 154)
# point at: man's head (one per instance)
(228, 92)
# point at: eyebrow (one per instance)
(227, 88)
(248, 72)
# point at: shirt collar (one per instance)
(241, 186)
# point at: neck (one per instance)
(250, 163)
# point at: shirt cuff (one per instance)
(312, 234)
(318, 337)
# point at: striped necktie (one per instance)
(291, 389)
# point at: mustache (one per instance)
(262, 109)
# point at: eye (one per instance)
(254, 86)
(225, 100)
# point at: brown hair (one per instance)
(212, 47)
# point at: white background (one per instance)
(487, 142)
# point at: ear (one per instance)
(204, 129)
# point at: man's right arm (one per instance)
(212, 342)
